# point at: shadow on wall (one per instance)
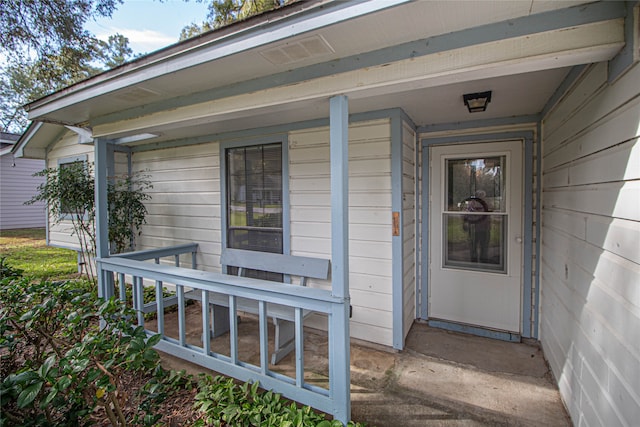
(591, 260)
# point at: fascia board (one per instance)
(259, 36)
(34, 141)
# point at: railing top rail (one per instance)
(223, 283)
(159, 253)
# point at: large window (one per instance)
(254, 198)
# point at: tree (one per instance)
(46, 48)
(24, 79)
(225, 12)
(43, 27)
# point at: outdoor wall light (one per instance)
(477, 102)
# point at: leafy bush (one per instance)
(223, 402)
(69, 193)
(64, 352)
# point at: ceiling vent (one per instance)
(310, 47)
(137, 93)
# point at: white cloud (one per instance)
(141, 41)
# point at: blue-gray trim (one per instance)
(101, 218)
(419, 226)
(286, 207)
(527, 318)
(339, 328)
(268, 130)
(339, 164)
(570, 79)
(424, 235)
(397, 247)
(536, 313)
(473, 330)
(628, 54)
(546, 21)
(527, 138)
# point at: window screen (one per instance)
(254, 200)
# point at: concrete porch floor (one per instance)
(442, 378)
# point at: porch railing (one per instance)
(333, 400)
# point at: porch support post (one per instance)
(102, 218)
(339, 345)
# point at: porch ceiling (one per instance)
(226, 67)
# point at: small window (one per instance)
(254, 200)
(67, 169)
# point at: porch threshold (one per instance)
(474, 330)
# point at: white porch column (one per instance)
(339, 345)
(102, 218)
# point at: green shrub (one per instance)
(64, 352)
(222, 402)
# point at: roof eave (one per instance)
(290, 20)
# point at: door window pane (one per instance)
(475, 216)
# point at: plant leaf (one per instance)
(27, 396)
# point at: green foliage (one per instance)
(60, 366)
(222, 402)
(225, 12)
(43, 26)
(126, 196)
(45, 48)
(69, 192)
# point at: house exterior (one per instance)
(18, 185)
(519, 221)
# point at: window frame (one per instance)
(286, 218)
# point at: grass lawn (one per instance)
(26, 249)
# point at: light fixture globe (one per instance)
(477, 102)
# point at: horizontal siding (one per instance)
(61, 233)
(17, 186)
(369, 217)
(185, 200)
(408, 227)
(590, 269)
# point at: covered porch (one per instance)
(441, 377)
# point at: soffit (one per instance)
(390, 27)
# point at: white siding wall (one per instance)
(185, 207)
(370, 250)
(18, 185)
(408, 226)
(590, 308)
(185, 200)
(67, 147)
(61, 234)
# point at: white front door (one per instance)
(475, 271)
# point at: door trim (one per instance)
(527, 317)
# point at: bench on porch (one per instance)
(283, 316)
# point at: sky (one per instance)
(149, 24)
